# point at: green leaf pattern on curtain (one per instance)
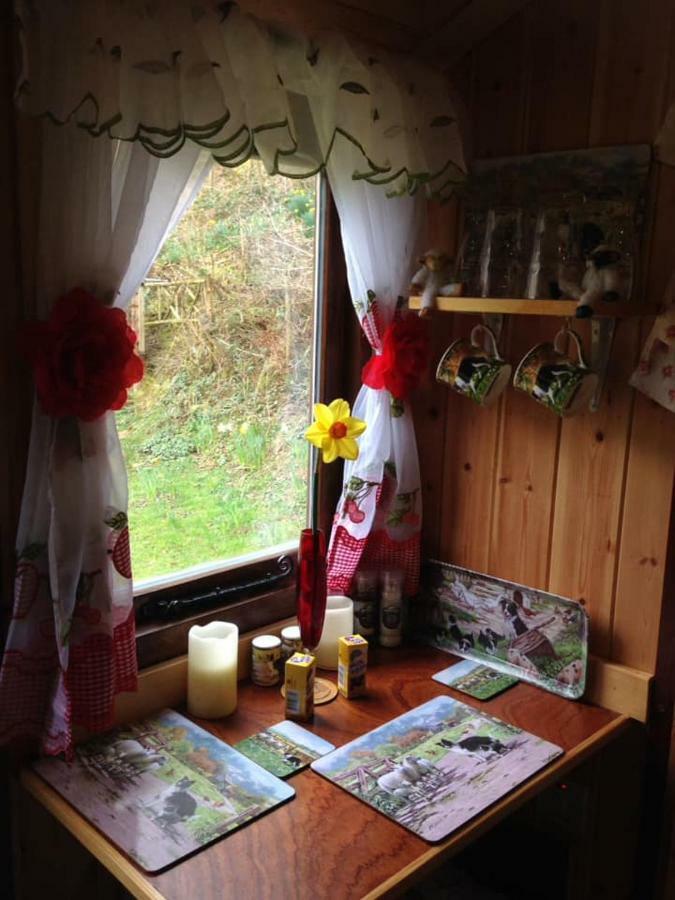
(176, 71)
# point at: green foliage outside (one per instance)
(213, 435)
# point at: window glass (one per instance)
(213, 435)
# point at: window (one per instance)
(213, 435)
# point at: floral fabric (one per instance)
(655, 374)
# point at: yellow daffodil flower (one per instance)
(334, 430)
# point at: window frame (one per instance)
(335, 372)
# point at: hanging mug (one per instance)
(471, 370)
(552, 378)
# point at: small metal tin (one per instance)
(291, 642)
(266, 663)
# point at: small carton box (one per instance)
(352, 663)
(300, 669)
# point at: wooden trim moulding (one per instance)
(619, 688)
(523, 307)
(134, 881)
(165, 684)
(439, 854)
(610, 685)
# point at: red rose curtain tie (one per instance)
(403, 357)
(83, 357)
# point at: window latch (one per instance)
(177, 607)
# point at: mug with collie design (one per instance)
(552, 378)
(471, 370)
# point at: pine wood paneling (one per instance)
(430, 414)
(589, 488)
(468, 465)
(644, 538)
(582, 506)
(525, 472)
(496, 106)
(631, 71)
(562, 37)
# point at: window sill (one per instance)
(147, 586)
(159, 640)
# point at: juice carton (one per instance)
(352, 662)
(300, 669)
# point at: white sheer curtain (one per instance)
(378, 518)
(205, 71)
(105, 209)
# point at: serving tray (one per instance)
(538, 637)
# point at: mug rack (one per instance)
(603, 323)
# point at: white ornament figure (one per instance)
(433, 279)
(603, 280)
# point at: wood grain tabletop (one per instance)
(325, 843)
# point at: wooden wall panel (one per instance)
(631, 71)
(561, 47)
(582, 506)
(468, 465)
(430, 414)
(589, 489)
(644, 538)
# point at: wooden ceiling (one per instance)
(440, 30)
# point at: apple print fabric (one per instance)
(655, 374)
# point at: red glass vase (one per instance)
(311, 586)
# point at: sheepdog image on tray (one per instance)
(436, 767)
(532, 635)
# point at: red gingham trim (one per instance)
(376, 551)
(99, 668)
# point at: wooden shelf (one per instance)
(524, 307)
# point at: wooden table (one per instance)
(326, 843)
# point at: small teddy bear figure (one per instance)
(603, 280)
(433, 279)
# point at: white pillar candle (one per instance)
(212, 670)
(339, 622)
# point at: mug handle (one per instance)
(570, 332)
(492, 338)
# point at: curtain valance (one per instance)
(165, 72)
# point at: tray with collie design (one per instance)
(532, 635)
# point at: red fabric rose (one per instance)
(83, 357)
(405, 353)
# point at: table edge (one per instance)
(138, 885)
(436, 855)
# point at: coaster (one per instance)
(324, 691)
(474, 679)
(284, 749)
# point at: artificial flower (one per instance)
(83, 357)
(334, 431)
(404, 357)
